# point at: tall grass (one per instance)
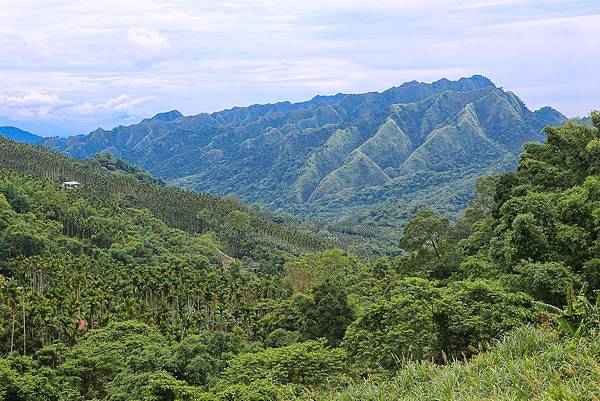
(530, 363)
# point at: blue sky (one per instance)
(68, 67)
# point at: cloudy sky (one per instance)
(67, 67)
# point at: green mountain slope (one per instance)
(389, 147)
(358, 171)
(313, 159)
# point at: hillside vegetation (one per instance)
(103, 298)
(109, 182)
(368, 158)
(527, 364)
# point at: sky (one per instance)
(68, 67)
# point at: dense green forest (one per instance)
(110, 182)
(127, 289)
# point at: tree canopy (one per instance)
(107, 293)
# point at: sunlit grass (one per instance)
(528, 364)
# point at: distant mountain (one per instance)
(19, 135)
(167, 116)
(373, 157)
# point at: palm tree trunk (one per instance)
(12, 332)
(24, 332)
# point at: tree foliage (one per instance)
(124, 289)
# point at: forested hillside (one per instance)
(371, 158)
(112, 183)
(118, 290)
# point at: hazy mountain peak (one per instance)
(547, 110)
(483, 81)
(18, 135)
(166, 116)
(465, 83)
(410, 83)
(550, 114)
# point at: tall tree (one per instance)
(331, 314)
(425, 229)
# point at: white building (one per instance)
(71, 184)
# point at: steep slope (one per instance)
(389, 147)
(326, 159)
(462, 141)
(358, 172)
(19, 135)
(314, 158)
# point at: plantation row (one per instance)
(186, 210)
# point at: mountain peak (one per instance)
(413, 91)
(550, 114)
(465, 83)
(480, 79)
(167, 116)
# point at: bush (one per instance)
(309, 363)
(549, 282)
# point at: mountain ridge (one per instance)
(278, 155)
(19, 135)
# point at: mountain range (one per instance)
(19, 135)
(372, 158)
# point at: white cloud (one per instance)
(201, 55)
(148, 45)
(474, 6)
(15, 48)
(31, 105)
(120, 104)
(49, 106)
